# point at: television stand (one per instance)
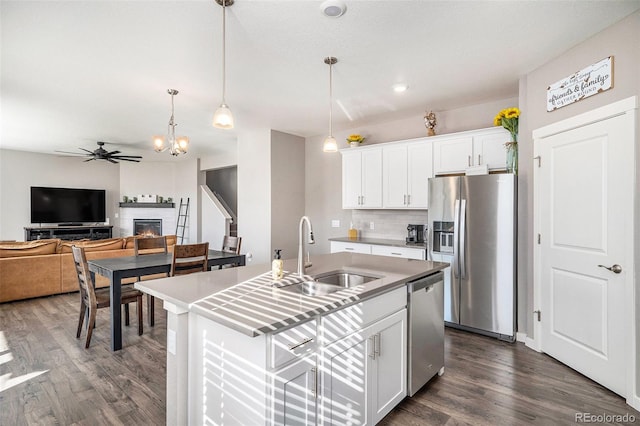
(69, 224)
(66, 232)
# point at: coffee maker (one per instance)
(415, 234)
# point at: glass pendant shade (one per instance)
(158, 143)
(223, 119)
(183, 143)
(330, 144)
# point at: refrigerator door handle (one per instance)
(462, 248)
(456, 233)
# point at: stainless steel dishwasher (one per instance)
(426, 330)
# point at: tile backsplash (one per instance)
(388, 224)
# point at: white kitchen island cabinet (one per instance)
(245, 350)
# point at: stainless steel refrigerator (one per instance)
(472, 225)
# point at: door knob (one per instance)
(616, 269)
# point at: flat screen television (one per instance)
(67, 205)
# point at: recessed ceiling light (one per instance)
(400, 87)
(333, 8)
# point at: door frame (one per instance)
(627, 107)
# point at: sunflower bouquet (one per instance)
(508, 118)
(355, 138)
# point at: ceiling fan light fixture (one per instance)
(333, 8)
(222, 118)
(400, 87)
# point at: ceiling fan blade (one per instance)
(90, 159)
(125, 156)
(72, 153)
(86, 150)
(111, 161)
(113, 153)
(128, 159)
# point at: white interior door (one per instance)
(585, 207)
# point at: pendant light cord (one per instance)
(330, 99)
(224, 53)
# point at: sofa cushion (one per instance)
(29, 248)
(93, 245)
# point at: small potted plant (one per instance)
(355, 140)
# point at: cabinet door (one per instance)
(402, 252)
(371, 178)
(295, 393)
(344, 382)
(339, 246)
(388, 384)
(394, 176)
(351, 180)
(452, 155)
(489, 149)
(420, 169)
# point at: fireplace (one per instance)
(147, 227)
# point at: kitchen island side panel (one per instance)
(227, 378)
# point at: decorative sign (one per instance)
(587, 82)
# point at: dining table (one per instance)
(118, 268)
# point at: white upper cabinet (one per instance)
(362, 178)
(405, 173)
(455, 153)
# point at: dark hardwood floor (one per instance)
(47, 377)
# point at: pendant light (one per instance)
(330, 144)
(177, 144)
(223, 119)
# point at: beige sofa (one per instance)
(45, 267)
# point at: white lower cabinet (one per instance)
(418, 253)
(363, 375)
(295, 390)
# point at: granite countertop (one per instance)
(379, 242)
(248, 301)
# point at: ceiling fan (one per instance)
(102, 154)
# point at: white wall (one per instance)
(254, 194)
(187, 181)
(20, 170)
(287, 192)
(154, 178)
(323, 176)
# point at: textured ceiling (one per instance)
(74, 72)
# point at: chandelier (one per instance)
(176, 144)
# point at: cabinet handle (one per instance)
(372, 339)
(469, 160)
(376, 344)
(314, 389)
(349, 248)
(396, 254)
(408, 199)
(303, 342)
(404, 200)
(479, 162)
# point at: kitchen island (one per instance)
(243, 349)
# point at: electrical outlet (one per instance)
(371, 225)
(335, 223)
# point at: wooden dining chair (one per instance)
(189, 258)
(231, 245)
(91, 299)
(150, 245)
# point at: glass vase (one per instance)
(512, 158)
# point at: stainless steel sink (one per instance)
(344, 279)
(328, 283)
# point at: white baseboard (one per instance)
(634, 401)
(520, 337)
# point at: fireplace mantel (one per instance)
(148, 205)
